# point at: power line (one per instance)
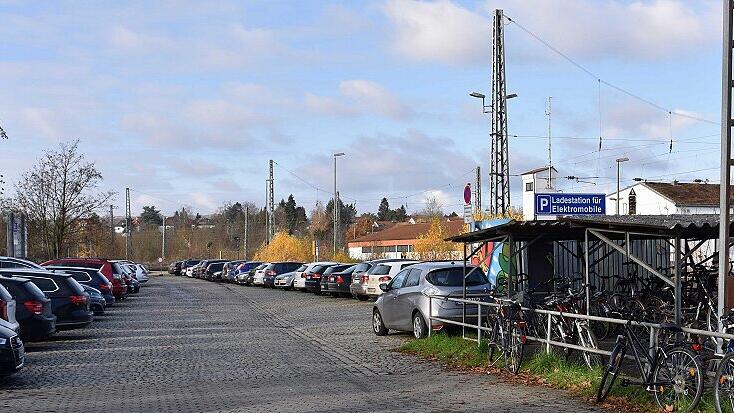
(606, 83)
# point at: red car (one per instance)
(110, 269)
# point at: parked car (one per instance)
(383, 273)
(243, 271)
(133, 286)
(96, 301)
(174, 268)
(275, 269)
(213, 271)
(138, 271)
(299, 282)
(358, 288)
(313, 277)
(8, 309)
(69, 302)
(88, 276)
(229, 272)
(338, 283)
(285, 281)
(111, 270)
(12, 262)
(33, 309)
(12, 351)
(404, 306)
(327, 274)
(188, 266)
(259, 274)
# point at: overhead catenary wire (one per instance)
(605, 82)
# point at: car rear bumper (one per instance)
(77, 319)
(358, 289)
(339, 288)
(313, 285)
(38, 327)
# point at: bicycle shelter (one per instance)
(663, 247)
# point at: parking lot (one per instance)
(186, 345)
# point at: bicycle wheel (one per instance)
(494, 343)
(515, 340)
(611, 371)
(678, 380)
(588, 340)
(724, 390)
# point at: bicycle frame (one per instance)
(646, 371)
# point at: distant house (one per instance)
(665, 198)
(397, 241)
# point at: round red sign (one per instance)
(467, 194)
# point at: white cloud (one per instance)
(371, 95)
(438, 31)
(329, 106)
(359, 97)
(446, 32)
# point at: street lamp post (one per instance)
(619, 161)
(335, 209)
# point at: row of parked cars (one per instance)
(36, 300)
(405, 291)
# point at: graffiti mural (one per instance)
(494, 258)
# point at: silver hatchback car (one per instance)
(404, 306)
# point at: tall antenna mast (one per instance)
(549, 184)
(499, 164)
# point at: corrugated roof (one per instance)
(407, 231)
(704, 226)
(687, 193)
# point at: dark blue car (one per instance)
(12, 351)
(32, 310)
(69, 303)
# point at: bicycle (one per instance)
(507, 335)
(724, 390)
(673, 374)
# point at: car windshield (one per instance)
(302, 267)
(379, 269)
(452, 277)
(261, 266)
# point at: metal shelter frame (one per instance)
(685, 234)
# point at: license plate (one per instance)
(370, 290)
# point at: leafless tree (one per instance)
(432, 209)
(58, 193)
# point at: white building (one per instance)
(536, 181)
(665, 198)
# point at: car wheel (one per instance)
(419, 326)
(377, 325)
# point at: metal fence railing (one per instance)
(549, 315)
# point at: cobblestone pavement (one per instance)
(185, 345)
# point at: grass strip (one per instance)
(542, 369)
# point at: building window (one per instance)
(404, 248)
(632, 198)
(528, 187)
(366, 250)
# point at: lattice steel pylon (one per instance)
(499, 161)
(725, 205)
(271, 205)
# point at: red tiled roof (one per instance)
(408, 231)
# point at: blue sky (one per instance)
(185, 102)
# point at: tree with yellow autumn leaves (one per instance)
(285, 247)
(432, 245)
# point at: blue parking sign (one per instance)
(570, 204)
